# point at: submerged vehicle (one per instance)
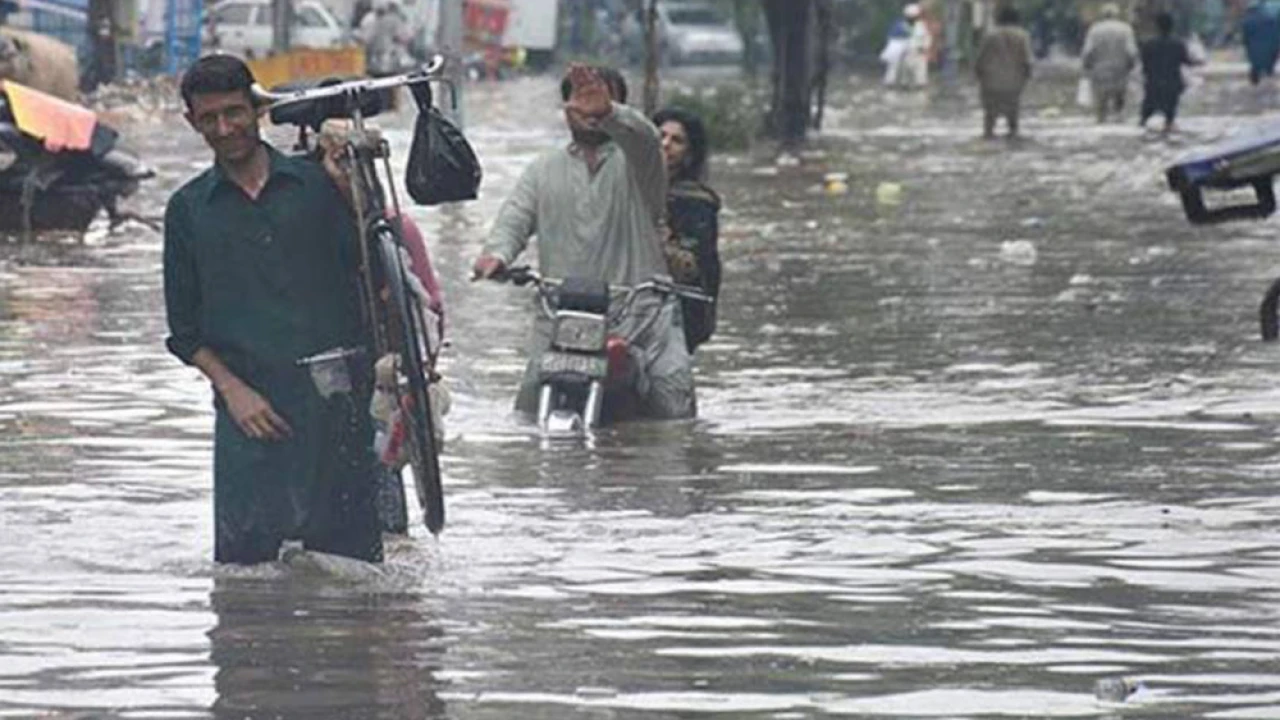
(586, 364)
(1249, 160)
(59, 165)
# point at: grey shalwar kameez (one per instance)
(1110, 54)
(605, 225)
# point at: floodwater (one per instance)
(963, 457)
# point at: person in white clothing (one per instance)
(915, 62)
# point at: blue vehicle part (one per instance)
(1250, 159)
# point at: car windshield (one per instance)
(695, 16)
(233, 14)
(309, 17)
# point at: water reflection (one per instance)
(308, 649)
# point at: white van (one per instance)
(243, 27)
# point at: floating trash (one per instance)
(1115, 689)
(835, 184)
(889, 193)
(787, 160)
(1018, 252)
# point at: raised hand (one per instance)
(589, 100)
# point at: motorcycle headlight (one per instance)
(584, 332)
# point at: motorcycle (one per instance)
(55, 179)
(585, 362)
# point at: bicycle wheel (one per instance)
(408, 334)
(1268, 314)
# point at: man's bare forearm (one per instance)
(220, 376)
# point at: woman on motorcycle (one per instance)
(693, 211)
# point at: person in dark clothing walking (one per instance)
(1163, 58)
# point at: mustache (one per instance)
(590, 137)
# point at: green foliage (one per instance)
(732, 113)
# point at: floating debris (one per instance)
(1018, 252)
(836, 184)
(889, 193)
(1116, 689)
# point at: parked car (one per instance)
(688, 33)
(243, 27)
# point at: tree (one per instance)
(800, 33)
(746, 18)
(281, 25)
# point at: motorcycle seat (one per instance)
(127, 164)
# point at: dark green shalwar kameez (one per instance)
(263, 283)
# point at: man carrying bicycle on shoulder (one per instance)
(259, 258)
(597, 206)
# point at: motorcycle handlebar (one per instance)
(519, 276)
(523, 275)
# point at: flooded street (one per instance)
(962, 457)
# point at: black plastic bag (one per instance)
(442, 166)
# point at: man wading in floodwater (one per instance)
(597, 206)
(259, 258)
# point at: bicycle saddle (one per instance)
(313, 113)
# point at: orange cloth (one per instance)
(60, 124)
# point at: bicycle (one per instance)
(392, 313)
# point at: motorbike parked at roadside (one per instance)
(59, 165)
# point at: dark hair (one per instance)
(617, 84)
(1164, 23)
(695, 163)
(216, 74)
(1008, 16)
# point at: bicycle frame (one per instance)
(362, 151)
(394, 317)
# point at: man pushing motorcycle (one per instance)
(597, 206)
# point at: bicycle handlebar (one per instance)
(333, 98)
(427, 73)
